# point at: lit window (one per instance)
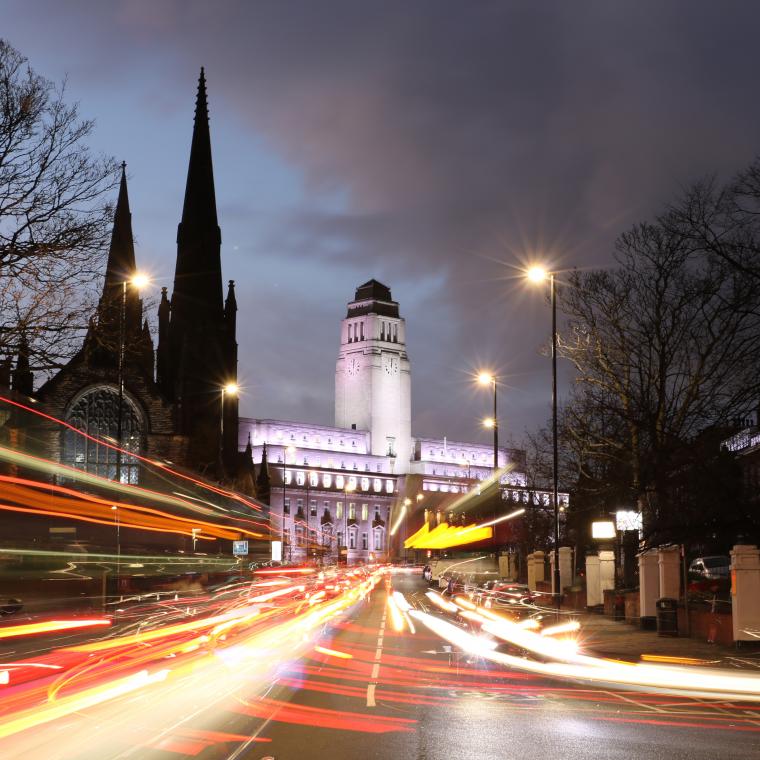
(327, 480)
(389, 486)
(378, 540)
(313, 479)
(365, 509)
(300, 478)
(377, 485)
(313, 507)
(339, 480)
(351, 511)
(287, 477)
(339, 510)
(365, 484)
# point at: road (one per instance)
(356, 688)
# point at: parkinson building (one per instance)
(335, 493)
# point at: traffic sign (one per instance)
(240, 548)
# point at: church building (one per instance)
(169, 403)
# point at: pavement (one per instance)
(614, 638)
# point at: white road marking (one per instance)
(376, 667)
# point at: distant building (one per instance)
(336, 491)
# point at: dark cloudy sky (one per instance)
(431, 145)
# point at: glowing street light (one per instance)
(538, 274)
(231, 389)
(138, 280)
(486, 378)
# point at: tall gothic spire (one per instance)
(198, 275)
(121, 254)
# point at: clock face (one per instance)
(391, 365)
(352, 367)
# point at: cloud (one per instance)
(432, 141)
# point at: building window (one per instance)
(327, 505)
(365, 511)
(395, 333)
(377, 485)
(300, 535)
(340, 539)
(361, 327)
(299, 505)
(96, 413)
(351, 511)
(378, 540)
(300, 478)
(365, 484)
(364, 541)
(389, 486)
(352, 539)
(313, 479)
(339, 481)
(286, 505)
(313, 507)
(339, 510)
(327, 480)
(350, 339)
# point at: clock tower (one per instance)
(372, 375)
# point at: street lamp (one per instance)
(138, 280)
(485, 379)
(228, 389)
(348, 488)
(288, 451)
(538, 275)
(115, 510)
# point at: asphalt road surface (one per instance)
(407, 696)
(364, 690)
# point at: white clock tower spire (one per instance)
(372, 375)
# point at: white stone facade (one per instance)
(336, 490)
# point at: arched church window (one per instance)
(96, 413)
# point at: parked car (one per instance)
(711, 568)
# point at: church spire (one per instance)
(121, 255)
(198, 275)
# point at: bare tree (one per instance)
(664, 346)
(54, 218)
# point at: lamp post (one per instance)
(229, 389)
(292, 451)
(346, 490)
(488, 378)
(537, 275)
(137, 281)
(115, 510)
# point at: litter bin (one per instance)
(667, 617)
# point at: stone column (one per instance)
(531, 573)
(514, 568)
(745, 592)
(669, 561)
(593, 587)
(649, 589)
(606, 571)
(565, 566)
(538, 566)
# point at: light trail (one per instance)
(50, 626)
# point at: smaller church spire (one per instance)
(121, 254)
(230, 309)
(263, 484)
